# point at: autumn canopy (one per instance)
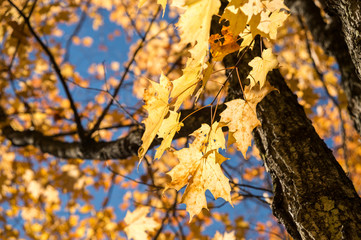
(160, 120)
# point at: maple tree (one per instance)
(208, 78)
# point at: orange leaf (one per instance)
(220, 49)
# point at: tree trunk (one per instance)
(313, 197)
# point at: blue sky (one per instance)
(81, 57)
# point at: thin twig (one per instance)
(250, 186)
(162, 225)
(56, 69)
(116, 90)
(131, 179)
(114, 99)
(110, 192)
(12, 82)
(75, 32)
(131, 20)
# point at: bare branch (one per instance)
(116, 90)
(75, 32)
(121, 148)
(330, 38)
(56, 69)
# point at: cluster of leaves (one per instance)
(199, 166)
(64, 74)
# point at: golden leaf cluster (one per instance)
(199, 166)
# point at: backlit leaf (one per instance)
(241, 118)
(138, 224)
(261, 67)
(200, 169)
(156, 104)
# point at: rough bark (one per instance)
(313, 197)
(349, 12)
(346, 47)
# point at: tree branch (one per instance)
(121, 148)
(75, 32)
(56, 69)
(127, 69)
(333, 42)
(349, 14)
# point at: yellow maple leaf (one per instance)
(267, 23)
(195, 23)
(185, 85)
(237, 19)
(138, 224)
(252, 7)
(276, 20)
(220, 49)
(274, 5)
(241, 118)
(156, 104)
(247, 41)
(200, 169)
(169, 127)
(226, 236)
(263, 17)
(261, 67)
(260, 24)
(206, 75)
(161, 2)
(195, 26)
